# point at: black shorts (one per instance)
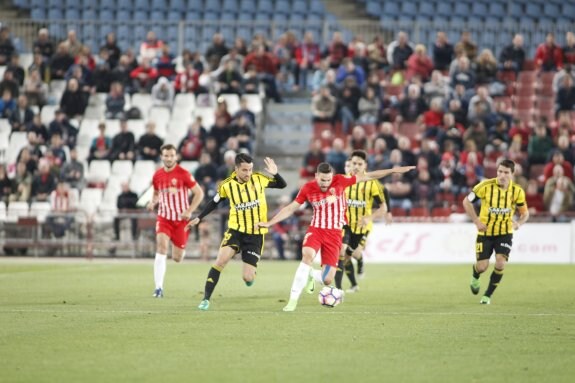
(486, 245)
(250, 245)
(353, 240)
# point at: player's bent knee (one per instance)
(327, 281)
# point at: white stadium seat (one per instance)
(232, 101)
(144, 169)
(122, 168)
(90, 199)
(40, 210)
(99, 171)
(17, 209)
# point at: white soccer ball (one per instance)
(330, 296)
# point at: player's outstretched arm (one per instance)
(211, 206)
(377, 174)
(278, 181)
(281, 215)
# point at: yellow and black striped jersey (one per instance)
(360, 198)
(498, 205)
(248, 204)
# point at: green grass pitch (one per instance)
(96, 321)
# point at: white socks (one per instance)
(159, 269)
(317, 276)
(299, 280)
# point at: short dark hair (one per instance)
(168, 147)
(324, 167)
(507, 163)
(359, 153)
(243, 158)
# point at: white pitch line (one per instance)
(330, 312)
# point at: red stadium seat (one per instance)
(524, 102)
(398, 212)
(441, 212)
(419, 212)
(410, 129)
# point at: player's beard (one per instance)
(169, 165)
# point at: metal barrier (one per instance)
(196, 35)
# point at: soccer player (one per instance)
(499, 197)
(171, 185)
(248, 207)
(360, 199)
(326, 194)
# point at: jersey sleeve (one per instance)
(189, 179)
(521, 200)
(222, 190)
(346, 180)
(302, 195)
(263, 179)
(155, 181)
(377, 191)
(479, 190)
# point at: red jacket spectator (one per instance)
(557, 158)
(418, 64)
(549, 56)
(263, 61)
(187, 81)
(519, 128)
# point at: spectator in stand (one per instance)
(149, 144)
(74, 101)
(386, 132)
(62, 126)
(102, 75)
(101, 145)
(486, 69)
(7, 104)
(230, 79)
(565, 99)
(564, 145)
(188, 81)
(72, 171)
(121, 73)
(35, 90)
(115, 102)
(63, 202)
(240, 46)
(399, 51)
(226, 169)
(419, 64)
(557, 159)
(481, 106)
(319, 77)
(569, 49)
(55, 154)
(151, 48)
(540, 144)
(516, 153)
(6, 46)
(467, 45)
(43, 183)
(308, 58)
(163, 93)
(61, 61)
(477, 133)
(400, 191)
(348, 99)
(379, 156)
(567, 70)
(359, 57)
(245, 111)
(377, 54)
(458, 104)
(234, 56)
(337, 156)
(533, 197)
(548, 56)
(358, 140)
(220, 131)
(266, 69)
(43, 45)
(123, 144)
(519, 128)
(347, 69)
(450, 131)
(85, 58)
(433, 118)
(558, 194)
(437, 87)
(73, 44)
(498, 138)
(22, 115)
(82, 75)
(21, 184)
(512, 57)
(216, 51)
(312, 159)
(336, 51)
(369, 107)
(144, 76)
(412, 106)
(38, 128)
(463, 74)
(443, 52)
(8, 83)
(207, 173)
(30, 155)
(407, 154)
(114, 51)
(6, 185)
(323, 106)
(40, 64)
(126, 204)
(330, 82)
(286, 61)
(424, 185)
(17, 70)
(242, 129)
(166, 63)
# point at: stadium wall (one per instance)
(455, 243)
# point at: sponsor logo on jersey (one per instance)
(356, 203)
(499, 210)
(247, 205)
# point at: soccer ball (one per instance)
(330, 296)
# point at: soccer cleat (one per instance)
(204, 305)
(352, 289)
(310, 287)
(361, 275)
(158, 293)
(485, 300)
(474, 286)
(291, 306)
(250, 283)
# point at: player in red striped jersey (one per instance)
(171, 187)
(326, 194)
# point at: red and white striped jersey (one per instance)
(329, 207)
(172, 188)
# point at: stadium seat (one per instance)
(98, 172)
(419, 212)
(144, 168)
(90, 199)
(159, 114)
(122, 168)
(18, 140)
(190, 166)
(208, 116)
(2, 211)
(398, 212)
(142, 102)
(16, 210)
(40, 210)
(441, 212)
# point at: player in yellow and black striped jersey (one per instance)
(245, 191)
(499, 197)
(361, 199)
